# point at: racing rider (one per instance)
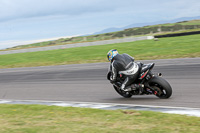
(123, 64)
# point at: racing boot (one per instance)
(123, 88)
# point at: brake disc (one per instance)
(159, 91)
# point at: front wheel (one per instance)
(122, 93)
(161, 86)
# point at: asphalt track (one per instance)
(88, 83)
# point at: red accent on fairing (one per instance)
(144, 75)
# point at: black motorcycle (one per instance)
(152, 84)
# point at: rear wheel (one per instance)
(161, 86)
(123, 93)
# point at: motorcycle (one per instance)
(152, 84)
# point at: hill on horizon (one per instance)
(114, 29)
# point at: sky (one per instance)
(28, 21)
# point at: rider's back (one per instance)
(122, 62)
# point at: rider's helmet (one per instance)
(112, 53)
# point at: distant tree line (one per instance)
(125, 33)
(129, 32)
(177, 34)
(155, 29)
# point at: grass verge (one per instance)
(164, 48)
(53, 119)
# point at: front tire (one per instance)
(161, 86)
(123, 93)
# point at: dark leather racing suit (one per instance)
(125, 65)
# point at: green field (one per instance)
(53, 119)
(164, 48)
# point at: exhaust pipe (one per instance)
(160, 74)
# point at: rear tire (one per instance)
(161, 86)
(123, 93)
